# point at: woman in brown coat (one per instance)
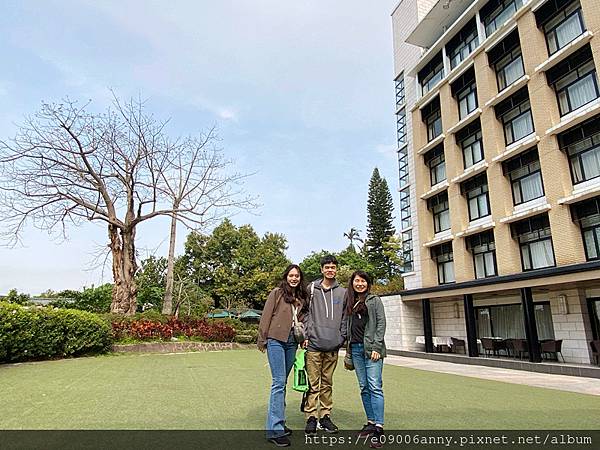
(285, 305)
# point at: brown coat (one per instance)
(276, 319)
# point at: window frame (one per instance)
(471, 131)
(590, 73)
(477, 188)
(436, 159)
(520, 104)
(533, 168)
(439, 206)
(483, 244)
(536, 233)
(549, 28)
(587, 216)
(578, 141)
(467, 38)
(443, 255)
(492, 16)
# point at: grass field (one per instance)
(229, 390)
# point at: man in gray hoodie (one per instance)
(325, 330)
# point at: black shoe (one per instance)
(375, 439)
(367, 430)
(326, 424)
(281, 441)
(311, 425)
(287, 431)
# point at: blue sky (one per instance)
(301, 94)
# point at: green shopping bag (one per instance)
(300, 376)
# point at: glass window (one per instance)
(469, 139)
(515, 115)
(401, 127)
(535, 241)
(483, 248)
(435, 160)
(400, 97)
(463, 44)
(444, 258)
(432, 117)
(476, 192)
(507, 61)
(587, 215)
(405, 208)
(464, 90)
(407, 251)
(431, 74)
(495, 12)
(439, 206)
(582, 145)
(403, 166)
(524, 173)
(574, 81)
(561, 22)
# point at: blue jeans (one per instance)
(370, 380)
(281, 357)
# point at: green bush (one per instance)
(41, 333)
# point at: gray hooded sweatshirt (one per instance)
(326, 318)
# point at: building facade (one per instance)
(498, 119)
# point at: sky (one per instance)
(301, 93)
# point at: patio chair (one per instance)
(595, 345)
(510, 347)
(457, 344)
(488, 346)
(552, 347)
(519, 347)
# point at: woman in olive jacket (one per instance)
(275, 335)
(365, 335)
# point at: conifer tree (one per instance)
(380, 226)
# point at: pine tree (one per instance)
(380, 226)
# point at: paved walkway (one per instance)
(561, 382)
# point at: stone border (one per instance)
(175, 347)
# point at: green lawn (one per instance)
(229, 390)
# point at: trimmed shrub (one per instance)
(34, 332)
(145, 329)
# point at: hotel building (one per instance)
(498, 132)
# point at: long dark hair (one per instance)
(289, 293)
(352, 296)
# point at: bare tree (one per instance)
(196, 180)
(66, 166)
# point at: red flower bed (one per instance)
(148, 330)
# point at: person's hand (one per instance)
(305, 343)
(375, 356)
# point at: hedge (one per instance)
(145, 329)
(34, 332)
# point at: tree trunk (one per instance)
(168, 299)
(122, 247)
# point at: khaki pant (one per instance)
(319, 368)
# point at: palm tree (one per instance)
(353, 235)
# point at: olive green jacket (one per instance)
(374, 328)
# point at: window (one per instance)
(403, 166)
(437, 165)
(465, 91)
(400, 98)
(507, 61)
(561, 21)
(405, 208)
(495, 12)
(444, 257)
(469, 139)
(515, 115)
(582, 145)
(587, 214)
(431, 74)
(483, 248)
(574, 81)
(535, 241)
(438, 205)
(507, 321)
(463, 44)
(407, 251)
(525, 176)
(401, 127)
(476, 192)
(432, 116)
